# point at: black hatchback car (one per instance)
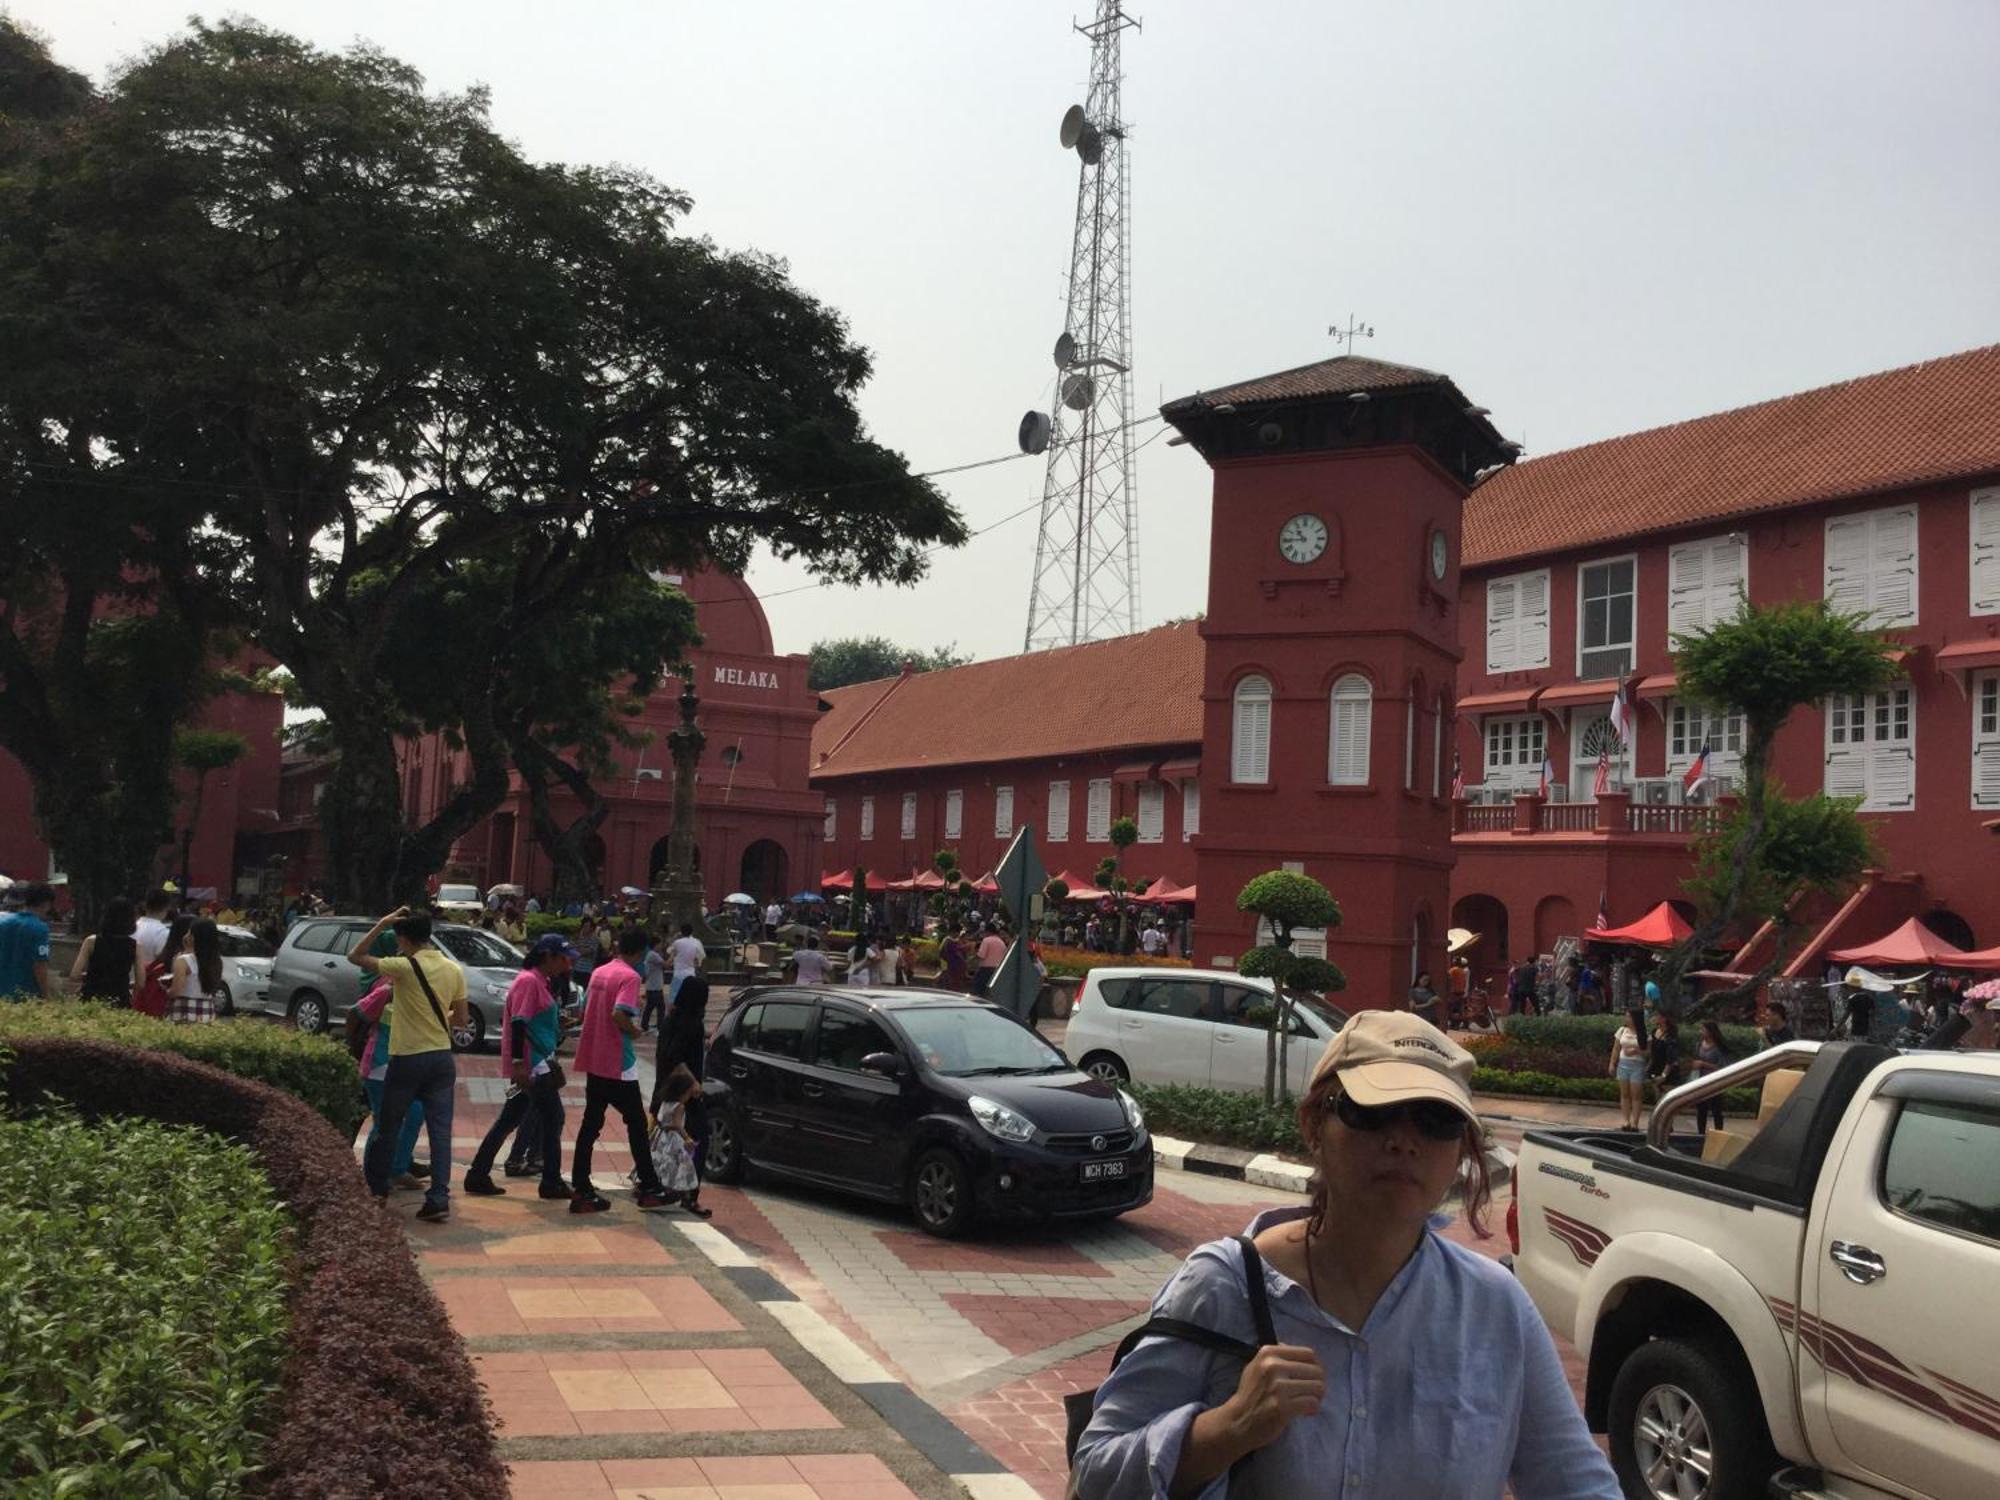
(920, 1097)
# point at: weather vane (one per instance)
(1354, 330)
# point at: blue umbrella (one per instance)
(813, 896)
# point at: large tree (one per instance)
(865, 658)
(374, 340)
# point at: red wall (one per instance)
(1367, 605)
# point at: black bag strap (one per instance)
(1208, 1338)
(430, 995)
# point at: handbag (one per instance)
(1077, 1405)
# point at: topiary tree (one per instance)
(1287, 901)
(1110, 874)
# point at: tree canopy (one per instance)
(865, 658)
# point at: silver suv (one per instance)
(314, 986)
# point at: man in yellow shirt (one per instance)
(427, 1000)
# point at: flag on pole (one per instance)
(1603, 784)
(1696, 774)
(1603, 911)
(1548, 776)
(1621, 713)
(1457, 778)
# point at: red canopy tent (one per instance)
(1911, 946)
(844, 881)
(986, 885)
(1164, 889)
(1080, 890)
(927, 880)
(1986, 959)
(1662, 927)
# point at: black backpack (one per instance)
(1077, 1405)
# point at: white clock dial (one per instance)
(1440, 555)
(1302, 539)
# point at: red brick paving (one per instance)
(999, 1253)
(1022, 1325)
(1022, 1424)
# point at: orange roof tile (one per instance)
(1342, 375)
(1133, 690)
(1917, 425)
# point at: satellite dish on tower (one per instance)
(1034, 435)
(1065, 351)
(1073, 122)
(1078, 392)
(1090, 145)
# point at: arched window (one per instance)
(1410, 736)
(1250, 745)
(1347, 741)
(1437, 750)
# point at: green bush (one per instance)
(538, 922)
(1581, 1090)
(316, 1069)
(142, 1309)
(1597, 1031)
(1219, 1118)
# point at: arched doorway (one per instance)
(1487, 916)
(763, 871)
(1555, 917)
(1950, 926)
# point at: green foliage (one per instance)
(1287, 899)
(1595, 1032)
(1291, 970)
(143, 1273)
(205, 750)
(1124, 834)
(1216, 1117)
(1581, 1090)
(1766, 660)
(535, 923)
(866, 658)
(1814, 843)
(1056, 890)
(315, 1069)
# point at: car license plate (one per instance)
(1100, 1171)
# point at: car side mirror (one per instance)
(886, 1063)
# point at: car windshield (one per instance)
(479, 949)
(964, 1041)
(459, 895)
(244, 945)
(1332, 1015)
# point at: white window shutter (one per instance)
(1892, 777)
(1437, 750)
(1986, 774)
(1250, 748)
(1728, 569)
(1058, 831)
(909, 815)
(1532, 649)
(1687, 589)
(1097, 814)
(954, 814)
(1847, 551)
(1152, 812)
(1503, 609)
(1003, 812)
(867, 817)
(1190, 809)
(1986, 552)
(1347, 752)
(1893, 594)
(1847, 771)
(832, 810)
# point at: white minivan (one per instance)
(1198, 1026)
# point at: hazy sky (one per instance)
(1597, 216)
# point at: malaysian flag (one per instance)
(1621, 713)
(1603, 783)
(1695, 774)
(1457, 778)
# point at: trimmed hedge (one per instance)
(316, 1069)
(535, 923)
(1598, 1090)
(378, 1397)
(140, 1349)
(1597, 1031)
(1217, 1117)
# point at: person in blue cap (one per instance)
(528, 1037)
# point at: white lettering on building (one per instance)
(741, 677)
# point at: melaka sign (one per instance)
(744, 677)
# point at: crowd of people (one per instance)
(155, 956)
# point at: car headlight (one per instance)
(494, 990)
(998, 1119)
(1134, 1116)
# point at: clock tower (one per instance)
(1331, 651)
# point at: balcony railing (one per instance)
(1612, 815)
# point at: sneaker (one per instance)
(654, 1200)
(483, 1187)
(554, 1190)
(420, 1169)
(520, 1169)
(408, 1182)
(433, 1212)
(588, 1203)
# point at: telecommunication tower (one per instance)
(1086, 583)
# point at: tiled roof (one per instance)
(1933, 421)
(1131, 691)
(1339, 376)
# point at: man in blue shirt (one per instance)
(24, 946)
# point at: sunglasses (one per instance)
(1431, 1119)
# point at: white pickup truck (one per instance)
(1803, 1303)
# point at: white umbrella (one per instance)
(739, 899)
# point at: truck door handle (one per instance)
(739, 1070)
(812, 1090)
(1857, 1263)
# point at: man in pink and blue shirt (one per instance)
(529, 1032)
(609, 1062)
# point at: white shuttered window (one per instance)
(832, 808)
(1152, 811)
(1517, 622)
(1514, 750)
(1250, 741)
(1871, 565)
(1190, 809)
(1706, 580)
(868, 817)
(954, 814)
(1347, 739)
(909, 815)
(1986, 740)
(1003, 812)
(1058, 812)
(1871, 750)
(1986, 552)
(1097, 814)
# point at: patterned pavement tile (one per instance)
(1022, 1325)
(481, 1305)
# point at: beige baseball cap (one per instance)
(1391, 1057)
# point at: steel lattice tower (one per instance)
(1086, 583)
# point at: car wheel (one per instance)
(470, 1036)
(309, 1012)
(1108, 1066)
(723, 1161)
(941, 1194)
(1686, 1423)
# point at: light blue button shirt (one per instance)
(1451, 1390)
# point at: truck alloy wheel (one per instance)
(1686, 1423)
(1671, 1441)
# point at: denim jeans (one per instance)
(406, 1138)
(542, 1097)
(416, 1077)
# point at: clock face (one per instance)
(1302, 539)
(1440, 555)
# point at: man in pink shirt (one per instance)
(992, 954)
(609, 1062)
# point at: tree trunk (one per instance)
(1756, 764)
(187, 834)
(103, 837)
(565, 845)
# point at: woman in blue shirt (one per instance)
(1405, 1365)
